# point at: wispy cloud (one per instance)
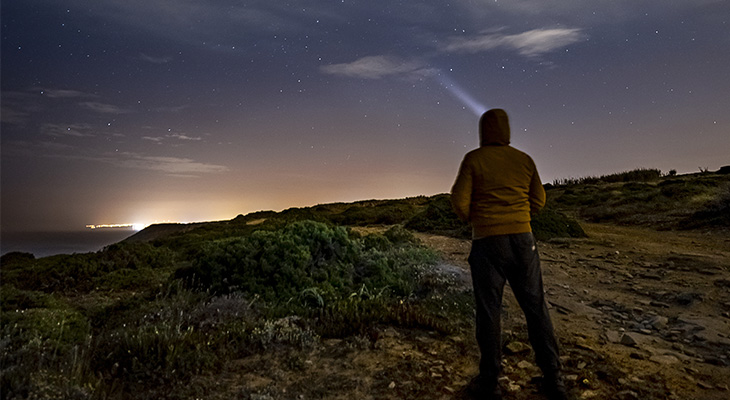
(375, 67)
(185, 137)
(181, 167)
(530, 44)
(176, 136)
(63, 93)
(66, 130)
(9, 115)
(172, 109)
(154, 60)
(104, 108)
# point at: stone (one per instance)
(630, 339)
(524, 364)
(513, 387)
(704, 385)
(613, 336)
(627, 394)
(664, 359)
(659, 322)
(515, 347)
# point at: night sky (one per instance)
(136, 111)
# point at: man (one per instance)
(496, 191)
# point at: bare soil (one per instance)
(640, 314)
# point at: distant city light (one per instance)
(135, 226)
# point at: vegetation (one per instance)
(644, 197)
(139, 316)
(176, 301)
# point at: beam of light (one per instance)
(462, 95)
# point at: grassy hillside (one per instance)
(647, 198)
(176, 301)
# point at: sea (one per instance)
(44, 244)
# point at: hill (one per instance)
(372, 300)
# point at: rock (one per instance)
(658, 322)
(515, 347)
(704, 385)
(613, 336)
(627, 394)
(637, 356)
(513, 387)
(664, 359)
(630, 339)
(524, 364)
(391, 385)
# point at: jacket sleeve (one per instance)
(461, 192)
(537, 192)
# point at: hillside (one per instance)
(372, 299)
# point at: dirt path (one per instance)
(640, 315)
(654, 305)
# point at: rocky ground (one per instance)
(640, 314)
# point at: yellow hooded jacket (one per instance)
(498, 186)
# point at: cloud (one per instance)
(154, 60)
(72, 130)
(182, 167)
(172, 109)
(63, 93)
(530, 43)
(104, 108)
(9, 115)
(178, 136)
(375, 67)
(184, 137)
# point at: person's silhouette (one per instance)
(496, 191)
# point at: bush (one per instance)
(82, 273)
(550, 224)
(281, 265)
(439, 218)
(715, 213)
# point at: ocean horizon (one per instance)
(49, 243)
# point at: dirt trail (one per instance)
(640, 314)
(654, 305)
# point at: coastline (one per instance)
(48, 243)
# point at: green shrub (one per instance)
(309, 262)
(386, 213)
(80, 273)
(550, 224)
(439, 218)
(17, 299)
(276, 265)
(714, 213)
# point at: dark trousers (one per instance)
(514, 258)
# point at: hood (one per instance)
(494, 128)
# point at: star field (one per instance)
(142, 111)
